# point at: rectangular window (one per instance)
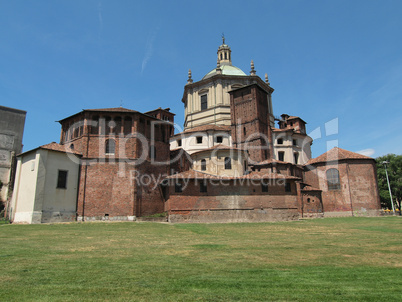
(62, 179)
(204, 102)
(281, 155)
(279, 141)
(287, 187)
(178, 188)
(295, 142)
(296, 156)
(264, 187)
(203, 187)
(219, 139)
(179, 142)
(199, 139)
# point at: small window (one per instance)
(279, 141)
(308, 200)
(219, 139)
(333, 179)
(204, 102)
(62, 179)
(199, 139)
(264, 188)
(179, 142)
(203, 165)
(287, 187)
(178, 187)
(244, 130)
(295, 142)
(228, 163)
(296, 157)
(203, 187)
(72, 146)
(281, 155)
(110, 146)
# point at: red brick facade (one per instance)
(250, 121)
(125, 157)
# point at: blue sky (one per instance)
(337, 64)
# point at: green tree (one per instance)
(394, 169)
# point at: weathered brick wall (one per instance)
(358, 193)
(250, 122)
(311, 203)
(231, 199)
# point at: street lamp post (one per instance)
(389, 187)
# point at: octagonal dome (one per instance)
(226, 70)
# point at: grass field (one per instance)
(338, 259)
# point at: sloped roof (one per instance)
(336, 154)
(271, 161)
(219, 147)
(53, 146)
(57, 147)
(310, 188)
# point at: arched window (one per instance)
(228, 163)
(110, 146)
(333, 179)
(203, 165)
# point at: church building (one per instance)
(233, 162)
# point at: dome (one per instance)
(226, 70)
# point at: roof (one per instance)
(192, 174)
(116, 109)
(219, 147)
(310, 188)
(205, 128)
(271, 161)
(226, 70)
(53, 146)
(336, 154)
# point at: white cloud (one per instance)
(366, 152)
(149, 50)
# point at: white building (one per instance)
(46, 185)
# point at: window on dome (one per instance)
(228, 163)
(203, 165)
(199, 139)
(204, 102)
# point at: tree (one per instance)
(394, 169)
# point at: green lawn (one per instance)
(338, 259)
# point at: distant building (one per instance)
(12, 123)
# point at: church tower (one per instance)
(207, 102)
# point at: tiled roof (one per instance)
(310, 188)
(57, 147)
(191, 174)
(117, 109)
(219, 147)
(282, 130)
(336, 154)
(270, 161)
